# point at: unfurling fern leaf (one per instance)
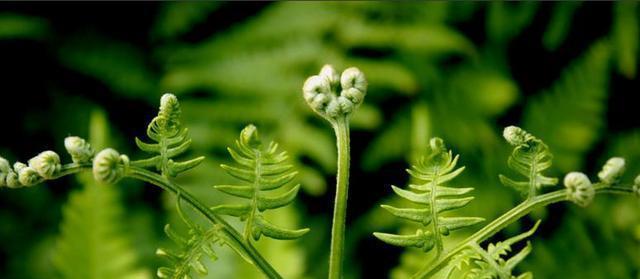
(490, 263)
(191, 249)
(435, 169)
(263, 170)
(530, 158)
(171, 140)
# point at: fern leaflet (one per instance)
(263, 170)
(490, 263)
(171, 140)
(530, 158)
(191, 249)
(434, 169)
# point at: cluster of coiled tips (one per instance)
(108, 166)
(581, 191)
(321, 91)
(516, 136)
(45, 165)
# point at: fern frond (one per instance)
(92, 242)
(577, 103)
(262, 169)
(171, 140)
(529, 158)
(434, 169)
(191, 249)
(491, 263)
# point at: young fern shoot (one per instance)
(434, 169)
(262, 169)
(191, 249)
(530, 157)
(320, 93)
(490, 262)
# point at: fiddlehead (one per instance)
(434, 169)
(320, 93)
(530, 157)
(262, 169)
(171, 140)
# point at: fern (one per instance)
(435, 169)
(263, 170)
(191, 250)
(491, 263)
(93, 242)
(530, 158)
(171, 138)
(576, 103)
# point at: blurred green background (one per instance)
(566, 71)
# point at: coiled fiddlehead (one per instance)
(191, 249)
(263, 169)
(171, 140)
(44, 166)
(434, 169)
(530, 157)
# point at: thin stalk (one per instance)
(509, 217)
(243, 248)
(341, 128)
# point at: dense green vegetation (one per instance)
(565, 72)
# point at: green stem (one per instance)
(341, 128)
(244, 249)
(237, 241)
(509, 217)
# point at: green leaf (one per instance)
(438, 166)
(16, 26)
(171, 140)
(576, 102)
(191, 249)
(530, 157)
(559, 24)
(625, 36)
(263, 170)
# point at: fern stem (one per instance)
(238, 243)
(509, 217)
(341, 128)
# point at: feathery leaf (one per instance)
(262, 169)
(171, 140)
(530, 157)
(434, 169)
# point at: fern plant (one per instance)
(263, 169)
(435, 169)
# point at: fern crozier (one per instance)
(321, 92)
(579, 188)
(47, 164)
(108, 166)
(79, 149)
(612, 170)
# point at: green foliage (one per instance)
(559, 24)
(576, 102)
(263, 169)
(433, 170)
(17, 26)
(93, 242)
(625, 36)
(489, 263)
(191, 249)
(172, 140)
(530, 157)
